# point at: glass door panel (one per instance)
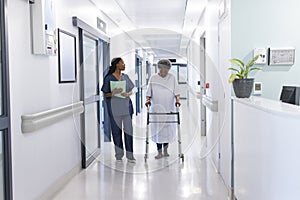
(91, 129)
(182, 81)
(91, 97)
(90, 67)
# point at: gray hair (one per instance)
(164, 63)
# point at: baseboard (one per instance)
(60, 183)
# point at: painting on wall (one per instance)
(67, 57)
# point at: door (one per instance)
(90, 64)
(5, 136)
(179, 70)
(202, 83)
(138, 84)
(182, 78)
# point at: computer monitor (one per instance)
(290, 94)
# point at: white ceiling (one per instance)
(164, 27)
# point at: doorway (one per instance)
(138, 84)
(180, 71)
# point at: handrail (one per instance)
(33, 122)
(209, 103)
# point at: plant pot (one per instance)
(243, 87)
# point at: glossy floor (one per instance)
(166, 178)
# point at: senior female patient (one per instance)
(119, 108)
(163, 95)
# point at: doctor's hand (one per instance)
(116, 91)
(125, 94)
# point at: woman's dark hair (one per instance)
(113, 65)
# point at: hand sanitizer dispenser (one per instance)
(43, 29)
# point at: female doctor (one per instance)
(163, 96)
(119, 108)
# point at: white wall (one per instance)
(212, 77)
(224, 94)
(267, 24)
(218, 123)
(42, 157)
(194, 64)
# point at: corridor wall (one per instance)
(267, 24)
(41, 158)
(217, 56)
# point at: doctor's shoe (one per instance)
(131, 160)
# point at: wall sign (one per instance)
(281, 56)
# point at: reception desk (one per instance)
(266, 135)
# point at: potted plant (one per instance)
(242, 85)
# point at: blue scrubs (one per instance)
(120, 112)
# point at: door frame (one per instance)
(5, 124)
(86, 161)
(202, 82)
(138, 83)
(82, 26)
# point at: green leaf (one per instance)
(242, 71)
(233, 69)
(251, 63)
(241, 76)
(254, 68)
(237, 62)
(232, 78)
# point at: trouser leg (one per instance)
(166, 145)
(159, 147)
(128, 132)
(106, 126)
(116, 126)
(166, 149)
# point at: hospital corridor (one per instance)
(149, 100)
(167, 178)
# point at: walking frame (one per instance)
(180, 154)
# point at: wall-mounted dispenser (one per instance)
(263, 58)
(43, 27)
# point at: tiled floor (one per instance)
(167, 178)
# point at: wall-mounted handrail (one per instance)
(209, 103)
(33, 122)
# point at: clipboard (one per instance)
(118, 84)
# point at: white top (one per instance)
(162, 91)
(271, 106)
